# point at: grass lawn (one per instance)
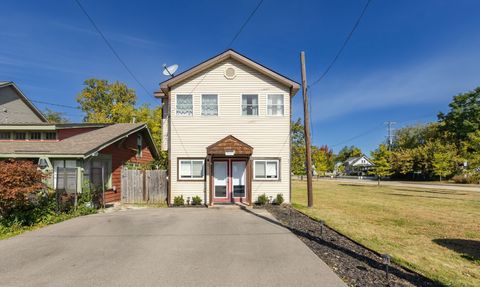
(435, 232)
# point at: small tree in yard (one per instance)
(18, 180)
(381, 159)
(445, 160)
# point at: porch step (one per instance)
(230, 206)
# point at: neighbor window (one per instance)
(139, 145)
(20, 135)
(266, 169)
(209, 105)
(184, 105)
(191, 169)
(275, 105)
(4, 135)
(35, 135)
(50, 135)
(250, 105)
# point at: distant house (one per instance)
(227, 130)
(75, 153)
(357, 165)
(16, 108)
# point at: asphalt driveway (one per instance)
(163, 247)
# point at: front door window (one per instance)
(229, 180)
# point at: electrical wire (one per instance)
(349, 36)
(112, 49)
(245, 23)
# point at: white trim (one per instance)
(266, 178)
(179, 169)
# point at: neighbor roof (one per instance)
(25, 100)
(229, 54)
(78, 146)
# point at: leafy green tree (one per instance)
(105, 102)
(298, 148)
(412, 136)
(463, 117)
(55, 117)
(445, 159)
(403, 161)
(381, 158)
(347, 152)
(322, 159)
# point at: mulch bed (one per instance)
(355, 264)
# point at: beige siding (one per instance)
(13, 110)
(268, 135)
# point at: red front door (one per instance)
(229, 181)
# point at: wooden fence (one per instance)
(144, 186)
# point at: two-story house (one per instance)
(227, 130)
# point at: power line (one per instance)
(369, 131)
(349, 36)
(245, 23)
(112, 49)
(390, 132)
(234, 38)
(58, 105)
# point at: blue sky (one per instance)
(404, 63)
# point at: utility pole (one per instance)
(306, 123)
(390, 133)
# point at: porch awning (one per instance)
(229, 146)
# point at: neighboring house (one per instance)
(357, 165)
(85, 150)
(74, 153)
(15, 107)
(227, 130)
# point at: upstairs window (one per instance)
(209, 105)
(4, 135)
(250, 105)
(35, 136)
(50, 135)
(20, 135)
(191, 169)
(184, 105)
(275, 105)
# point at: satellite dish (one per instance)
(168, 71)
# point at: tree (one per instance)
(445, 159)
(381, 158)
(403, 161)
(322, 159)
(55, 117)
(463, 117)
(348, 152)
(105, 102)
(18, 180)
(298, 148)
(412, 136)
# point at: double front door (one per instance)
(229, 180)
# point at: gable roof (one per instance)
(78, 146)
(229, 143)
(228, 54)
(355, 160)
(25, 100)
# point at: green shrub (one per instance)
(196, 200)
(467, 178)
(279, 199)
(262, 199)
(178, 201)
